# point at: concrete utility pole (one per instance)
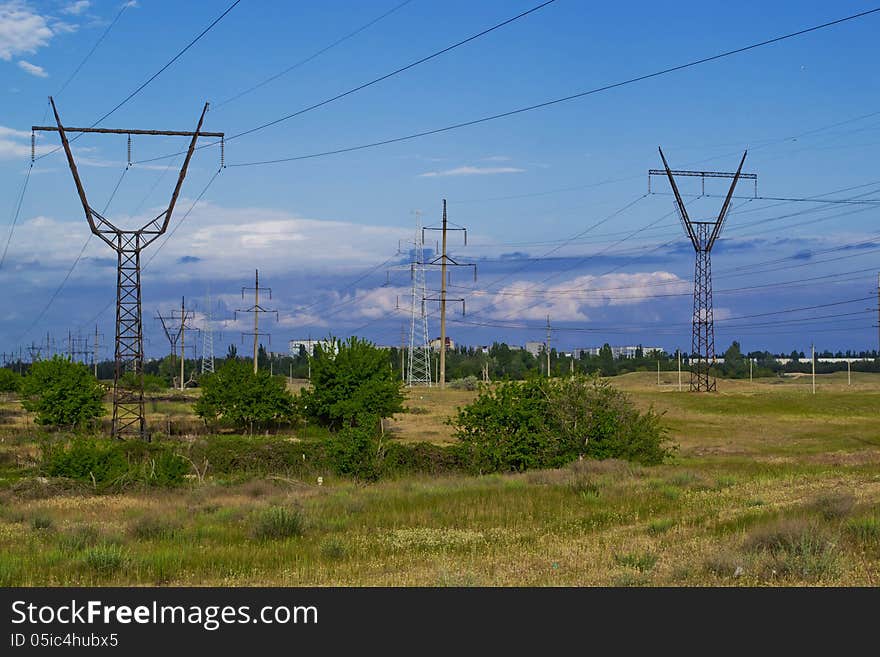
(750, 370)
(813, 362)
(547, 346)
(848, 374)
(445, 261)
(95, 348)
(256, 309)
(658, 372)
(679, 370)
(878, 315)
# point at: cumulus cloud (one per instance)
(22, 31)
(570, 300)
(470, 171)
(224, 243)
(76, 8)
(33, 69)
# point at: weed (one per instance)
(42, 523)
(278, 522)
(865, 530)
(78, 538)
(333, 549)
(151, 527)
(643, 562)
(660, 526)
(794, 547)
(834, 505)
(105, 559)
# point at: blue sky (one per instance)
(807, 108)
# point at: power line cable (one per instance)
(16, 213)
(154, 76)
(320, 52)
(564, 99)
(367, 84)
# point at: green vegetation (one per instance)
(62, 393)
(9, 380)
(549, 422)
(351, 385)
(237, 397)
(771, 485)
(106, 465)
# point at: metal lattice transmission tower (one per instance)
(128, 400)
(208, 338)
(703, 235)
(418, 369)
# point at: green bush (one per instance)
(9, 380)
(236, 396)
(62, 393)
(152, 382)
(356, 451)
(351, 381)
(539, 423)
(113, 465)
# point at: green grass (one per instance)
(771, 486)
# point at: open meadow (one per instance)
(770, 485)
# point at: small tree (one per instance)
(351, 381)
(235, 396)
(62, 393)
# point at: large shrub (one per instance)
(62, 393)
(9, 380)
(537, 423)
(236, 396)
(356, 451)
(352, 380)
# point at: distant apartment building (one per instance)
(293, 346)
(628, 351)
(435, 344)
(534, 348)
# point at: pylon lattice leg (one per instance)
(128, 401)
(703, 334)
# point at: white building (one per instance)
(435, 344)
(534, 348)
(628, 351)
(293, 346)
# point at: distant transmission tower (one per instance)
(208, 338)
(128, 400)
(418, 370)
(702, 235)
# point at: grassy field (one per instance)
(771, 485)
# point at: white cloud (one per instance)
(16, 144)
(497, 158)
(76, 8)
(470, 171)
(22, 31)
(228, 242)
(569, 300)
(33, 69)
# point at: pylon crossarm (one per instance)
(189, 154)
(726, 207)
(682, 211)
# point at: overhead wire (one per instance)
(365, 85)
(563, 99)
